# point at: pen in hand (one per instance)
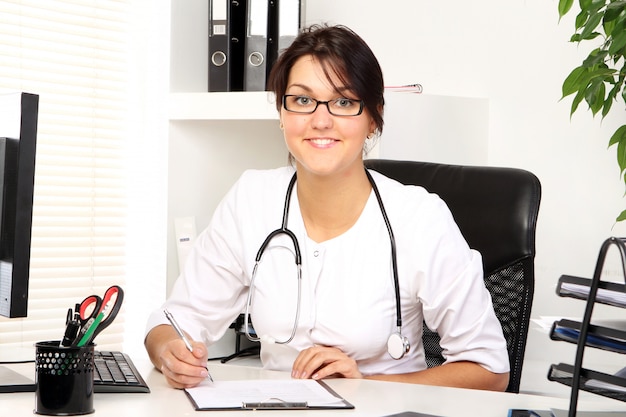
(181, 334)
(178, 330)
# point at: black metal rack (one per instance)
(594, 291)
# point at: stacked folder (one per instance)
(246, 37)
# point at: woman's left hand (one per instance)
(319, 362)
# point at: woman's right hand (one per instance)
(181, 368)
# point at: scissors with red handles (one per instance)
(88, 309)
(96, 314)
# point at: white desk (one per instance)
(370, 398)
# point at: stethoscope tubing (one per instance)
(394, 257)
(298, 259)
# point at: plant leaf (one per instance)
(595, 96)
(586, 86)
(581, 19)
(564, 7)
(579, 97)
(621, 155)
(572, 81)
(618, 43)
(621, 217)
(618, 136)
(596, 5)
(619, 25)
(595, 57)
(614, 8)
(608, 26)
(602, 72)
(591, 25)
(608, 103)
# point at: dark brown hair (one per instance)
(342, 53)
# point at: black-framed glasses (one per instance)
(338, 107)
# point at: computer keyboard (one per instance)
(115, 372)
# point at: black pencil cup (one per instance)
(64, 379)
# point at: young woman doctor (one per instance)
(352, 262)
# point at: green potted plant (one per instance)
(600, 79)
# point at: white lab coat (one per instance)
(348, 297)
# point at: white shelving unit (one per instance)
(257, 105)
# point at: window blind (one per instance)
(75, 55)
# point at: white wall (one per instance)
(515, 54)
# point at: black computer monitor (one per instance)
(18, 134)
(18, 138)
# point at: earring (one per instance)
(281, 126)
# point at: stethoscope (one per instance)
(397, 344)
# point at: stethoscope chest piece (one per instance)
(398, 345)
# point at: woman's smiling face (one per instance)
(322, 143)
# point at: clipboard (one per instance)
(266, 394)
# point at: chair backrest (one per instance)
(496, 210)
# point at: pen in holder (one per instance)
(64, 379)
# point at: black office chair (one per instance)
(496, 210)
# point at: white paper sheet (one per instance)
(613, 297)
(233, 394)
